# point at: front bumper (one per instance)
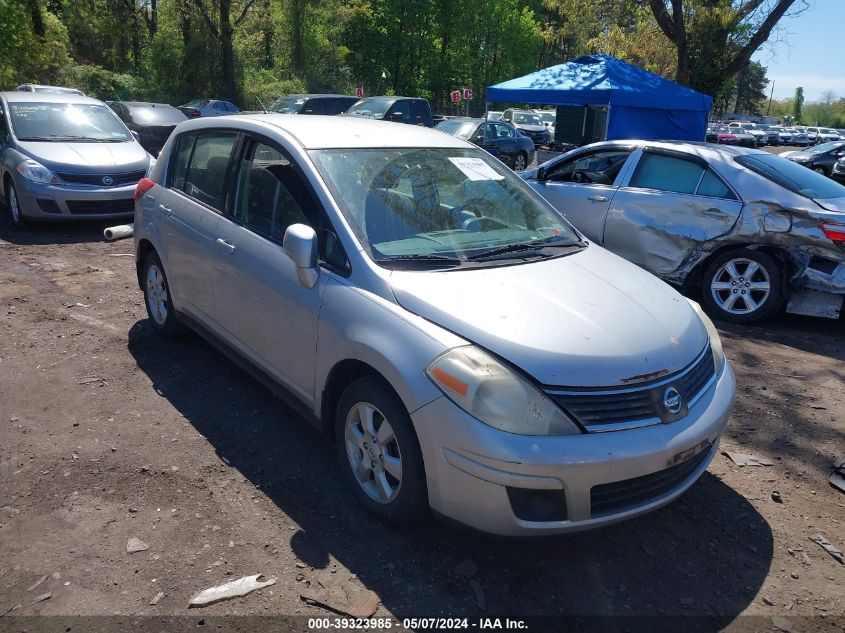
(74, 202)
(470, 466)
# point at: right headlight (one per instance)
(713, 333)
(34, 171)
(497, 395)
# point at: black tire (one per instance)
(819, 169)
(166, 324)
(519, 156)
(13, 205)
(718, 285)
(411, 497)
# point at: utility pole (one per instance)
(771, 94)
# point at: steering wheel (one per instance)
(472, 205)
(580, 176)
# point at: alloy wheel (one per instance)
(14, 205)
(157, 297)
(740, 286)
(373, 452)
(519, 163)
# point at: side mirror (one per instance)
(541, 174)
(300, 244)
(136, 136)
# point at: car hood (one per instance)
(87, 157)
(530, 128)
(589, 319)
(797, 155)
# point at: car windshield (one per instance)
(792, 176)
(748, 126)
(522, 118)
(461, 129)
(371, 107)
(156, 115)
(824, 148)
(441, 207)
(66, 122)
(287, 105)
(548, 117)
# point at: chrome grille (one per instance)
(641, 405)
(118, 180)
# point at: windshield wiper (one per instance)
(37, 138)
(536, 246)
(420, 258)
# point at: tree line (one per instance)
(251, 51)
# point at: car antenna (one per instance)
(261, 103)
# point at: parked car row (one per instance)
(819, 158)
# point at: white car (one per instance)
(466, 348)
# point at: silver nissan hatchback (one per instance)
(465, 347)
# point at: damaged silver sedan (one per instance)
(751, 230)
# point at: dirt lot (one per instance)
(109, 433)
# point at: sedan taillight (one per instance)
(143, 186)
(835, 232)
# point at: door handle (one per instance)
(598, 198)
(167, 211)
(713, 211)
(226, 245)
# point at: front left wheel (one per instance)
(520, 162)
(379, 452)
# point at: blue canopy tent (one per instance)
(640, 104)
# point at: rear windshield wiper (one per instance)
(535, 246)
(420, 258)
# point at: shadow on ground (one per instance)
(708, 553)
(63, 232)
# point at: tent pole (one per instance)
(607, 122)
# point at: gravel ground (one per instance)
(109, 433)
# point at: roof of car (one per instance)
(143, 104)
(698, 148)
(391, 98)
(47, 97)
(321, 96)
(324, 132)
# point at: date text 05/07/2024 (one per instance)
(417, 624)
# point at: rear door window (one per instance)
(667, 173)
(401, 111)
(207, 168)
(714, 187)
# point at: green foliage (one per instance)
(254, 50)
(798, 105)
(96, 81)
(26, 56)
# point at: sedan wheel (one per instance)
(379, 451)
(743, 286)
(14, 206)
(373, 452)
(157, 298)
(820, 170)
(519, 162)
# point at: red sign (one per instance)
(456, 96)
(467, 93)
(359, 92)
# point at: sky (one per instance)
(806, 51)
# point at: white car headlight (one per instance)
(713, 333)
(34, 171)
(495, 394)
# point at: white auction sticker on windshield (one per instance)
(475, 168)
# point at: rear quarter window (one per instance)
(792, 176)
